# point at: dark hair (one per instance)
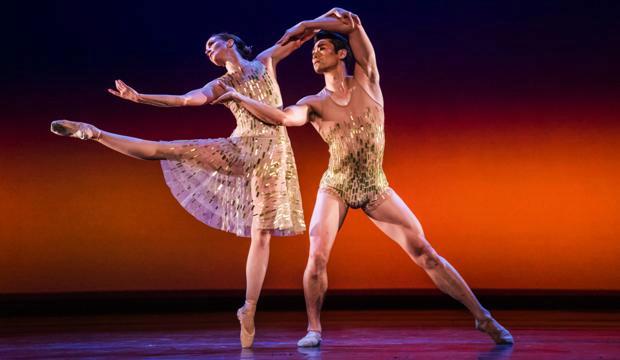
(244, 50)
(340, 42)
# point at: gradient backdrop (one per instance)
(502, 128)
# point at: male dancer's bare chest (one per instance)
(343, 123)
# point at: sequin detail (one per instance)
(228, 183)
(356, 140)
(373, 202)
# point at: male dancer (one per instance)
(348, 114)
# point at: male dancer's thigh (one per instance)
(398, 222)
(327, 218)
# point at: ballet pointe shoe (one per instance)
(497, 332)
(246, 319)
(75, 129)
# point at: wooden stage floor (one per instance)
(385, 334)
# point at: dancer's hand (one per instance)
(304, 30)
(299, 33)
(228, 93)
(345, 16)
(124, 91)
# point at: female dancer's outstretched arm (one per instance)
(196, 97)
(131, 146)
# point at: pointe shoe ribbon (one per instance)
(497, 332)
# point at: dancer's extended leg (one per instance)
(130, 146)
(397, 221)
(329, 213)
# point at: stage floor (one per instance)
(398, 334)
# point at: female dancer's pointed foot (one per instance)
(246, 319)
(312, 339)
(75, 129)
(497, 332)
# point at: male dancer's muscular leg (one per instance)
(397, 221)
(327, 217)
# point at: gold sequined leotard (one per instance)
(356, 140)
(249, 177)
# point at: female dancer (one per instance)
(245, 184)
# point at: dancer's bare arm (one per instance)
(336, 19)
(328, 21)
(295, 115)
(272, 56)
(363, 51)
(345, 22)
(204, 95)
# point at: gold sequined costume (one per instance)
(356, 139)
(228, 183)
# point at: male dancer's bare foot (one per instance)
(497, 332)
(246, 319)
(75, 129)
(312, 339)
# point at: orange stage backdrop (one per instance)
(502, 130)
(516, 204)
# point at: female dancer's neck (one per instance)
(236, 64)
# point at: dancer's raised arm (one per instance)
(345, 22)
(272, 56)
(329, 21)
(363, 51)
(197, 97)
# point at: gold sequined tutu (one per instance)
(229, 183)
